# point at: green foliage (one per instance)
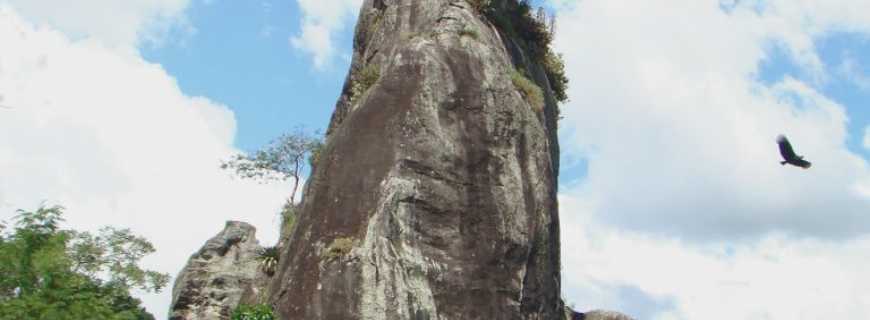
(481, 6)
(49, 273)
(253, 312)
(116, 253)
(534, 31)
(468, 32)
(364, 79)
(338, 248)
(288, 216)
(554, 65)
(283, 159)
(268, 258)
(530, 91)
(314, 153)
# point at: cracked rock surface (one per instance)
(435, 194)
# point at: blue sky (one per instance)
(247, 63)
(834, 49)
(673, 205)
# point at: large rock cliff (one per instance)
(435, 194)
(222, 274)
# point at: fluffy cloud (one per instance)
(685, 212)
(321, 21)
(679, 136)
(116, 23)
(778, 277)
(111, 137)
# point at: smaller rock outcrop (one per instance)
(220, 276)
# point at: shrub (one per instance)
(253, 312)
(480, 5)
(364, 79)
(468, 32)
(338, 248)
(288, 219)
(530, 91)
(554, 66)
(268, 258)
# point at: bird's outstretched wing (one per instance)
(785, 148)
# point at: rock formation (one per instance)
(223, 273)
(435, 194)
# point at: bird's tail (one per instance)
(783, 162)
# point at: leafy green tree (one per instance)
(282, 159)
(51, 273)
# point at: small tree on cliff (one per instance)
(285, 159)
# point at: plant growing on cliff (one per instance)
(282, 159)
(52, 273)
(364, 79)
(268, 258)
(253, 312)
(338, 248)
(469, 32)
(533, 32)
(530, 91)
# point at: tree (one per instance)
(282, 159)
(51, 273)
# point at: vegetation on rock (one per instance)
(364, 79)
(52, 273)
(253, 312)
(283, 159)
(268, 258)
(338, 248)
(533, 31)
(531, 91)
(469, 32)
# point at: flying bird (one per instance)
(788, 154)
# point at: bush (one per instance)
(253, 312)
(338, 248)
(288, 219)
(480, 5)
(468, 32)
(268, 258)
(554, 66)
(363, 80)
(530, 91)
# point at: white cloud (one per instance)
(116, 23)
(111, 137)
(777, 277)
(321, 21)
(685, 212)
(681, 140)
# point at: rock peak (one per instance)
(434, 196)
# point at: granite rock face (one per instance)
(435, 194)
(222, 274)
